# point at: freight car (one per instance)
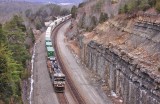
(57, 77)
(47, 39)
(48, 44)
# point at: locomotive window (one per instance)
(59, 79)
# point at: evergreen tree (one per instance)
(74, 11)
(13, 55)
(158, 5)
(103, 17)
(125, 8)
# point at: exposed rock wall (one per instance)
(125, 78)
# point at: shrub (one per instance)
(125, 8)
(114, 1)
(103, 17)
(157, 5)
(93, 20)
(74, 12)
(81, 4)
(97, 7)
(152, 2)
(82, 20)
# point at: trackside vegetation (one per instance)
(13, 56)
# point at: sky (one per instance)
(54, 1)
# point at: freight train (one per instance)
(56, 75)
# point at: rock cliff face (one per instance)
(127, 58)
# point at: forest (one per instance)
(13, 57)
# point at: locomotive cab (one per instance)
(59, 82)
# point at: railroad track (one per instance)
(69, 82)
(62, 98)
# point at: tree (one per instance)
(125, 8)
(74, 11)
(103, 17)
(81, 4)
(3, 64)
(82, 21)
(158, 5)
(38, 23)
(55, 9)
(94, 21)
(44, 14)
(152, 2)
(64, 12)
(10, 76)
(13, 56)
(28, 13)
(2, 36)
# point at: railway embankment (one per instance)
(125, 55)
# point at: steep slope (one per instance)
(124, 50)
(126, 55)
(90, 12)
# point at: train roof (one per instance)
(52, 58)
(50, 49)
(47, 38)
(49, 28)
(53, 23)
(59, 75)
(48, 32)
(48, 43)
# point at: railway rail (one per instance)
(69, 82)
(62, 98)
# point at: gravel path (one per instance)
(43, 92)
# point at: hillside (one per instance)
(33, 13)
(8, 9)
(89, 13)
(120, 41)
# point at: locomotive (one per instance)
(56, 75)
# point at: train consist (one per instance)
(56, 75)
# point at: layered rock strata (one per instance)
(127, 59)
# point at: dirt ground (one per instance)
(43, 92)
(87, 86)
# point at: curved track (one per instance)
(76, 95)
